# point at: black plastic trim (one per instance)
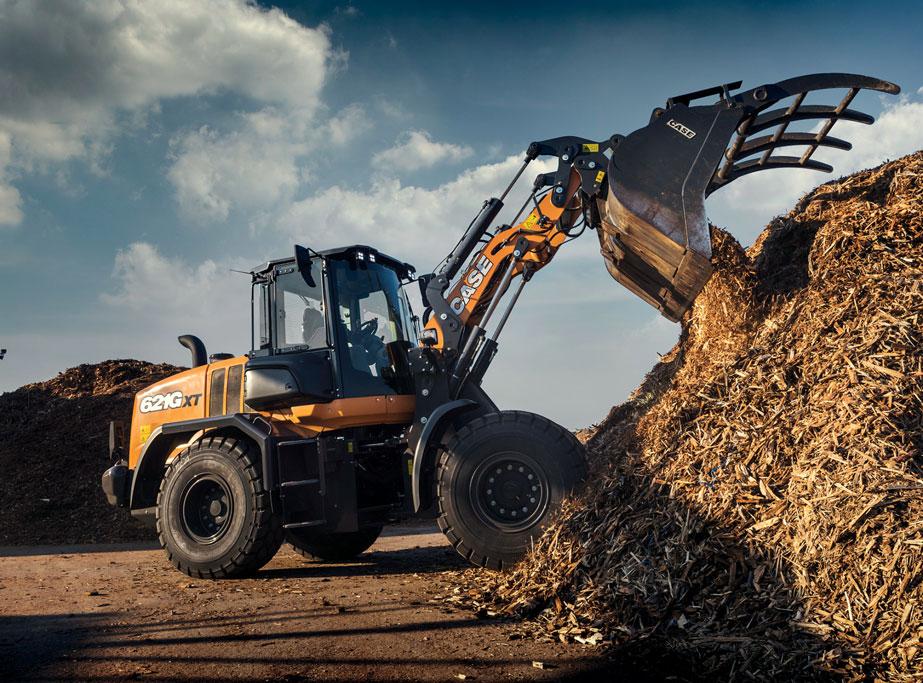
(168, 436)
(434, 424)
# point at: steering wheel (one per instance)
(368, 328)
(366, 342)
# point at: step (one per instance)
(301, 525)
(301, 482)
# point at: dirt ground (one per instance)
(110, 612)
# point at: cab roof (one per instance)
(353, 251)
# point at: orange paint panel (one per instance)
(180, 397)
(350, 412)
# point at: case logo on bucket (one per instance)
(681, 129)
(472, 281)
(174, 399)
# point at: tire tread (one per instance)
(266, 533)
(573, 451)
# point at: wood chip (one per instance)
(756, 504)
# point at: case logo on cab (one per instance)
(685, 131)
(174, 399)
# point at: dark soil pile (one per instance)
(757, 508)
(54, 446)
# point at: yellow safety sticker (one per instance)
(600, 176)
(410, 467)
(591, 147)
(144, 432)
(531, 220)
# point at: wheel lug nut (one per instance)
(531, 500)
(489, 491)
(525, 509)
(529, 477)
(535, 488)
(493, 503)
(509, 467)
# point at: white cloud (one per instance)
(414, 223)
(415, 150)
(347, 125)
(152, 299)
(756, 198)
(71, 71)
(252, 167)
(153, 293)
(257, 165)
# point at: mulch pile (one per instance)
(54, 446)
(757, 507)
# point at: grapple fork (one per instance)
(655, 236)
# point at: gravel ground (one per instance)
(120, 611)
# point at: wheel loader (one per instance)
(345, 415)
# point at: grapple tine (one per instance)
(831, 81)
(654, 234)
(761, 144)
(754, 165)
(807, 112)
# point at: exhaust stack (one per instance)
(196, 348)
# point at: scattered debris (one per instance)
(757, 503)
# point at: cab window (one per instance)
(299, 312)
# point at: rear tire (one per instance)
(331, 547)
(500, 480)
(213, 514)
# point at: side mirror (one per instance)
(303, 260)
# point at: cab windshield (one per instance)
(372, 322)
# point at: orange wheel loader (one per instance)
(345, 416)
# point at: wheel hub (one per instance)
(510, 491)
(207, 507)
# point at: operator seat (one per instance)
(312, 328)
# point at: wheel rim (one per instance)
(509, 490)
(207, 508)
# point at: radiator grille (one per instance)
(232, 397)
(216, 394)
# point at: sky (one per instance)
(149, 148)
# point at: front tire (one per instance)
(500, 480)
(332, 547)
(213, 514)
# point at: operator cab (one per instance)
(327, 325)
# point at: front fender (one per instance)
(168, 437)
(430, 436)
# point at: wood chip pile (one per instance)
(757, 507)
(54, 449)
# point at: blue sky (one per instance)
(147, 148)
